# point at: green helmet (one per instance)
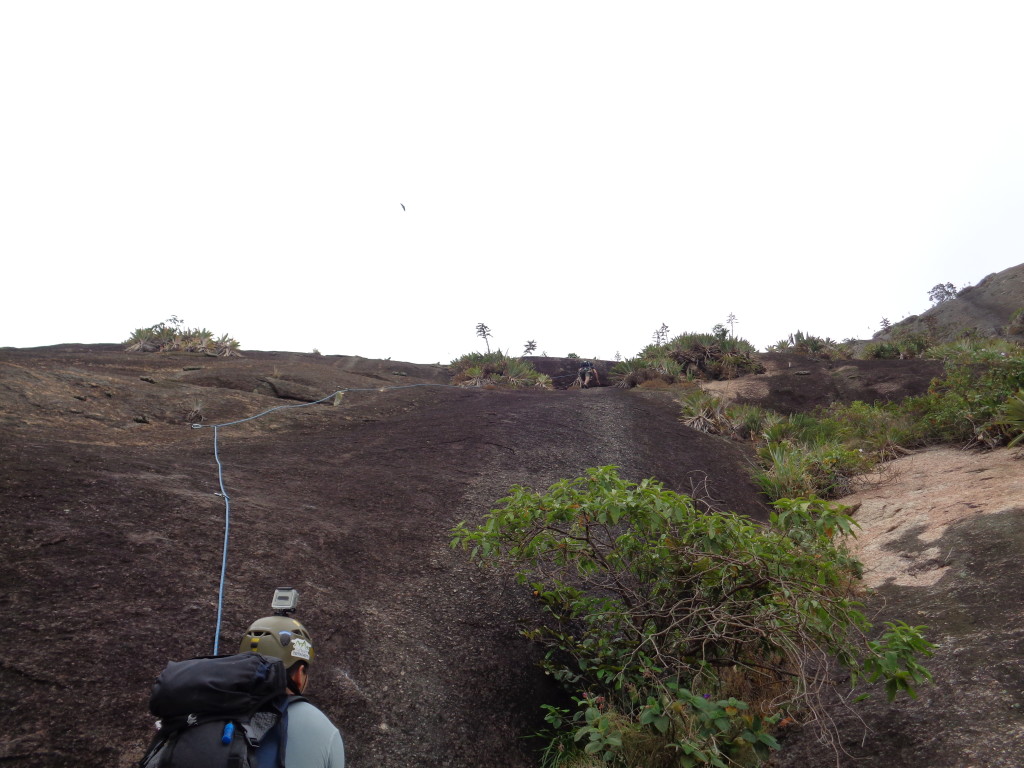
(281, 637)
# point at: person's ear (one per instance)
(301, 677)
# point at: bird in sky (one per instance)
(403, 206)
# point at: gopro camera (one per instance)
(286, 599)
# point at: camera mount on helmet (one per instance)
(286, 600)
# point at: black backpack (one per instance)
(215, 711)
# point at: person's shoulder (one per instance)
(313, 740)
(306, 718)
(305, 708)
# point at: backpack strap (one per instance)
(258, 726)
(283, 730)
(154, 746)
(273, 741)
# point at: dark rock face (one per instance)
(112, 531)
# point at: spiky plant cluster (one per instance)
(904, 345)
(689, 356)
(704, 412)
(799, 454)
(1013, 417)
(814, 346)
(633, 372)
(496, 369)
(974, 349)
(170, 336)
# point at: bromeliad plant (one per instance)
(689, 356)
(171, 336)
(684, 636)
(1013, 417)
(496, 369)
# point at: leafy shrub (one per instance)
(809, 454)
(974, 349)
(684, 636)
(800, 469)
(833, 467)
(910, 344)
(964, 406)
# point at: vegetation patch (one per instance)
(686, 638)
(496, 369)
(171, 336)
(817, 347)
(689, 357)
(977, 402)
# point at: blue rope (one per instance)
(227, 499)
(227, 530)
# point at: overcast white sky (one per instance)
(575, 173)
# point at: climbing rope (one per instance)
(227, 499)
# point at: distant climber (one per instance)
(586, 373)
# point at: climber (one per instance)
(586, 372)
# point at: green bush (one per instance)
(683, 636)
(785, 471)
(964, 406)
(910, 344)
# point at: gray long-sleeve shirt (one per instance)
(313, 740)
